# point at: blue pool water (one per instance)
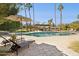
(44, 34)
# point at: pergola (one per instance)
(18, 18)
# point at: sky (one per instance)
(45, 11)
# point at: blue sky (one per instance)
(45, 11)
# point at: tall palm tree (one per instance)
(26, 6)
(25, 9)
(29, 6)
(60, 8)
(33, 14)
(55, 14)
(78, 16)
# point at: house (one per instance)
(44, 27)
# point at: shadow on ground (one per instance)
(41, 50)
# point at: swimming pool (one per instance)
(44, 34)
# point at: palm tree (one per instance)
(50, 23)
(60, 8)
(78, 16)
(55, 14)
(33, 14)
(29, 6)
(25, 7)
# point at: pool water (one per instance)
(44, 34)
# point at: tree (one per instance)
(77, 16)
(4, 9)
(29, 6)
(33, 14)
(25, 7)
(8, 9)
(64, 26)
(13, 9)
(9, 25)
(60, 8)
(55, 14)
(50, 23)
(75, 25)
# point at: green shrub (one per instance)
(74, 46)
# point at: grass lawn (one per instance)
(74, 46)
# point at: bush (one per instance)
(74, 46)
(10, 26)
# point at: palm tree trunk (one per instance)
(30, 17)
(33, 15)
(55, 15)
(29, 13)
(60, 20)
(21, 28)
(25, 13)
(26, 16)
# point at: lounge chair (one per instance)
(17, 46)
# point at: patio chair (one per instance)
(14, 47)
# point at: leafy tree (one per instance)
(64, 26)
(10, 26)
(8, 9)
(4, 9)
(75, 25)
(13, 9)
(2, 20)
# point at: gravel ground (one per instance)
(49, 46)
(41, 50)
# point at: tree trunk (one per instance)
(30, 17)
(60, 20)
(26, 16)
(55, 16)
(33, 15)
(29, 13)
